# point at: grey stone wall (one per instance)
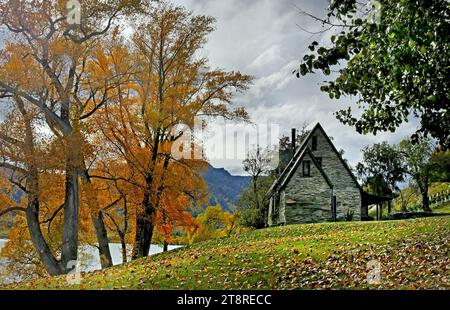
(347, 192)
(312, 196)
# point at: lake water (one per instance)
(90, 259)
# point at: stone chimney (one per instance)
(293, 141)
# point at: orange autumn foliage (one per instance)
(91, 121)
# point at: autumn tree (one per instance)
(171, 85)
(21, 155)
(41, 42)
(32, 163)
(214, 222)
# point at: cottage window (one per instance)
(319, 161)
(314, 143)
(306, 168)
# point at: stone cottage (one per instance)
(317, 185)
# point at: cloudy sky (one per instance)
(264, 38)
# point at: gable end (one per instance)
(296, 165)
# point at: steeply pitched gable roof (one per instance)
(293, 163)
(297, 163)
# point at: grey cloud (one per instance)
(263, 38)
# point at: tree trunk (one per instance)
(69, 252)
(122, 234)
(102, 238)
(425, 200)
(49, 261)
(124, 247)
(99, 226)
(165, 246)
(144, 220)
(144, 233)
(424, 192)
(145, 216)
(144, 225)
(255, 192)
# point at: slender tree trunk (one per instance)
(51, 264)
(425, 200)
(124, 247)
(159, 195)
(423, 187)
(123, 233)
(144, 224)
(69, 253)
(102, 238)
(99, 227)
(49, 261)
(255, 192)
(144, 232)
(70, 226)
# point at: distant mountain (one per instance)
(223, 187)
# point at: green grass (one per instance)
(443, 208)
(414, 254)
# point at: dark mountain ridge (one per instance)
(224, 188)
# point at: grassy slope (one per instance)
(413, 254)
(415, 200)
(445, 208)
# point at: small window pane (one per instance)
(306, 168)
(314, 143)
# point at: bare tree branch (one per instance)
(12, 209)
